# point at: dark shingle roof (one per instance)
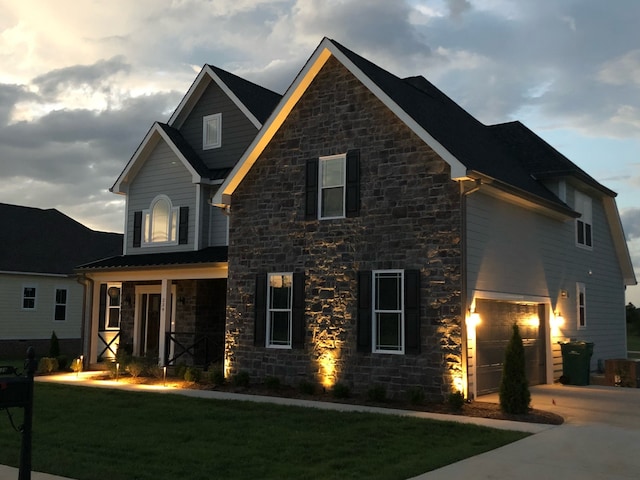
(259, 100)
(191, 156)
(172, 259)
(471, 142)
(34, 240)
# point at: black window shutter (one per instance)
(412, 311)
(311, 197)
(260, 326)
(137, 228)
(364, 324)
(353, 184)
(183, 228)
(103, 307)
(298, 326)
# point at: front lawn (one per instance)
(90, 433)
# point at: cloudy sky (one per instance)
(81, 81)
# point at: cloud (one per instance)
(630, 218)
(80, 76)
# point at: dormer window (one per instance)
(212, 131)
(584, 229)
(160, 222)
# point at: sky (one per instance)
(82, 81)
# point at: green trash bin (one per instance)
(576, 361)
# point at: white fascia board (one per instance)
(155, 134)
(132, 166)
(323, 52)
(195, 91)
(619, 240)
(273, 123)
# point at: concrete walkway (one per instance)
(598, 440)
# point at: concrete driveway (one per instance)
(599, 440)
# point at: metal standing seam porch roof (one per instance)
(207, 255)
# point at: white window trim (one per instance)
(55, 303)
(147, 226)
(581, 289)
(374, 312)
(584, 206)
(35, 297)
(108, 307)
(321, 161)
(269, 310)
(218, 140)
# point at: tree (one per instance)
(633, 319)
(514, 387)
(54, 346)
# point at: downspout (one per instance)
(463, 253)
(85, 340)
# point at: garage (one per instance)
(493, 334)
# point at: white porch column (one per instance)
(165, 314)
(92, 331)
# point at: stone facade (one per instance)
(410, 218)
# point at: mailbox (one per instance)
(14, 392)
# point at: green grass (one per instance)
(92, 433)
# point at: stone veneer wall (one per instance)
(409, 219)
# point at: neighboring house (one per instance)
(39, 291)
(165, 297)
(381, 235)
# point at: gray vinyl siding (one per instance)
(237, 130)
(218, 229)
(162, 173)
(514, 251)
(39, 323)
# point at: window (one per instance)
(113, 301)
(29, 297)
(60, 309)
(212, 131)
(160, 222)
(581, 305)
(333, 186)
(388, 324)
(584, 223)
(389, 311)
(279, 309)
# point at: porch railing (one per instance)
(200, 349)
(108, 344)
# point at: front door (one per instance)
(150, 324)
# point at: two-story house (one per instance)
(39, 290)
(164, 297)
(381, 235)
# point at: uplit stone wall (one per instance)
(409, 219)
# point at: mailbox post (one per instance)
(18, 392)
(25, 451)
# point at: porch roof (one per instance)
(172, 259)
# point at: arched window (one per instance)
(160, 222)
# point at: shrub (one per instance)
(63, 362)
(135, 368)
(47, 365)
(514, 387)
(272, 383)
(156, 371)
(241, 379)
(415, 395)
(340, 390)
(377, 393)
(76, 365)
(306, 387)
(193, 374)
(181, 369)
(215, 374)
(456, 401)
(54, 346)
